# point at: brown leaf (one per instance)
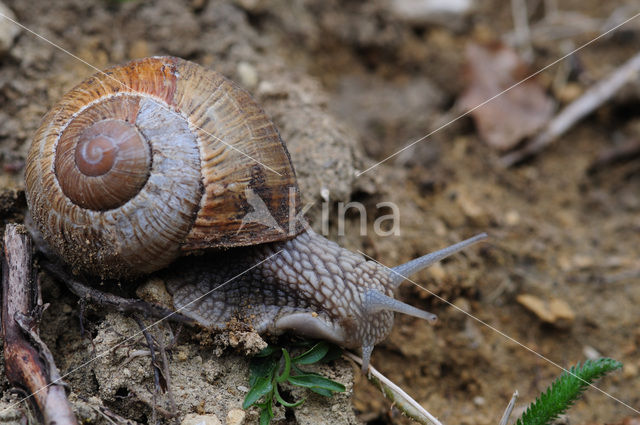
(511, 116)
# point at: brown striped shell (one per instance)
(147, 160)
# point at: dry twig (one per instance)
(509, 409)
(108, 415)
(123, 305)
(28, 362)
(156, 371)
(576, 110)
(401, 399)
(167, 375)
(521, 28)
(620, 153)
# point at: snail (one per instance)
(160, 157)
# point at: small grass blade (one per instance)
(322, 392)
(313, 355)
(267, 351)
(262, 387)
(287, 367)
(285, 403)
(261, 368)
(316, 381)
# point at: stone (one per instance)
(248, 75)
(235, 417)
(8, 30)
(154, 291)
(193, 419)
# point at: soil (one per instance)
(348, 84)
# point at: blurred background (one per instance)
(353, 83)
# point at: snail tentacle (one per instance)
(399, 273)
(376, 302)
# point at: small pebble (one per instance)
(560, 420)
(251, 5)
(569, 92)
(155, 291)
(463, 304)
(591, 353)
(564, 262)
(447, 13)
(247, 74)
(512, 218)
(630, 370)
(470, 208)
(269, 89)
(437, 272)
(235, 417)
(193, 419)
(581, 261)
(324, 192)
(182, 355)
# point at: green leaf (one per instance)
(322, 392)
(274, 365)
(311, 380)
(265, 416)
(297, 370)
(287, 367)
(267, 351)
(262, 387)
(565, 391)
(261, 368)
(313, 355)
(285, 403)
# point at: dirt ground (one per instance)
(349, 83)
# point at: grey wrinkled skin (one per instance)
(308, 285)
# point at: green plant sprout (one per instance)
(274, 366)
(565, 391)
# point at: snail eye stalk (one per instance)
(399, 273)
(375, 301)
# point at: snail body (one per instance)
(148, 161)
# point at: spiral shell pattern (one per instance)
(153, 158)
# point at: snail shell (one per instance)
(153, 158)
